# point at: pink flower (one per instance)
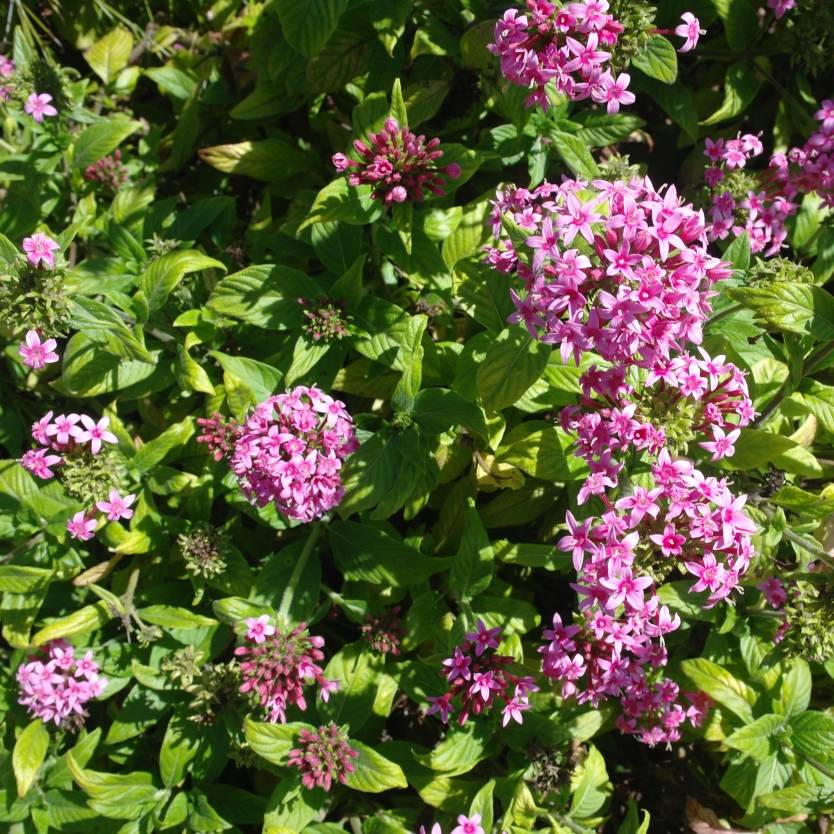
(37, 354)
(38, 106)
(40, 249)
(6, 66)
(323, 756)
(64, 428)
(81, 526)
(468, 825)
(117, 507)
(615, 92)
(39, 463)
(690, 30)
(721, 445)
(95, 433)
(670, 542)
(259, 628)
(484, 638)
(781, 6)
(773, 591)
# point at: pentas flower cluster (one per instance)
(55, 685)
(277, 665)
(75, 440)
(466, 825)
(109, 171)
(289, 451)
(399, 165)
(742, 201)
(478, 677)
(571, 46)
(323, 756)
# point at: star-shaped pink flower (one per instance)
(37, 354)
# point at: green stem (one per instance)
(295, 577)
(812, 547)
(727, 311)
(825, 770)
(557, 820)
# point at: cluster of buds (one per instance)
(203, 551)
(325, 321)
(324, 756)
(384, 632)
(76, 443)
(277, 665)
(398, 165)
(478, 677)
(55, 685)
(288, 452)
(108, 171)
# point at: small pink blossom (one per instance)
(6, 66)
(690, 30)
(259, 628)
(468, 825)
(38, 106)
(780, 7)
(40, 249)
(82, 527)
(39, 462)
(37, 354)
(95, 433)
(117, 507)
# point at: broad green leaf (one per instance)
(308, 24)
(514, 361)
(173, 81)
(21, 578)
(273, 742)
(574, 153)
(104, 326)
(269, 160)
(461, 749)
(813, 734)
(29, 754)
(100, 139)
(344, 58)
(82, 621)
(180, 745)
(346, 203)
(588, 785)
(722, 686)
(117, 796)
(757, 738)
(756, 448)
(373, 772)
(794, 688)
(658, 59)
(261, 379)
(469, 234)
(162, 276)
(741, 85)
(473, 564)
(790, 308)
(482, 805)
(160, 448)
(437, 410)
(110, 54)
(740, 21)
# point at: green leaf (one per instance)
(19, 579)
(157, 450)
(469, 234)
(180, 745)
(813, 734)
(170, 616)
(411, 360)
(269, 160)
(100, 139)
(117, 796)
(84, 620)
(29, 754)
(373, 772)
(512, 364)
(740, 88)
(437, 410)
(398, 111)
(340, 201)
(756, 739)
(273, 742)
(740, 21)
(756, 448)
(308, 24)
(587, 785)
(632, 824)
(367, 554)
(721, 686)
(473, 564)
(738, 253)
(110, 54)
(158, 281)
(482, 805)
(344, 58)
(574, 153)
(600, 129)
(794, 688)
(790, 308)
(461, 749)
(658, 60)
(261, 379)
(104, 326)
(352, 703)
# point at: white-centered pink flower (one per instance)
(95, 433)
(64, 428)
(6, 66)
(38, 105)
(259, 628)
(81, 526)
(117, 507)
(40, 250)
(690, 30)
(37, 354)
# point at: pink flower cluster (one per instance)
(109, 171)
(37, 354)
(55, 685)
(399, 165)
(276, 666)
(566, 45)
(323, 756)
(72, 435)
(477, 675)
(760, 211)
(289, 451)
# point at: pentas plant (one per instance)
(55, 684)
(478, 677)
(288, 451)
(466, 824)
(276, 665)
(324, 756)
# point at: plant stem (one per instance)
(727, 311)
(289, 591)
(812, 547)
(824, 769)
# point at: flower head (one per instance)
(82, 526)
(323, 756)
(37, 354)
(116, 507)
(40, 250)
(38, 106)
(690, 30)
(95, 433)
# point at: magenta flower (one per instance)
(484, 638)
(780, 7)
(116, 507)
(37, 354)
(690, 30)
(259, 628)
(6, 66)
(81, 526)
(55, 685)
(39, 463)
(95, 433)
(323, 756)
(614, 92)
(774, 592)
(38, 106)
(468, 825)
(40, 249)
(721, 445)
(64, 428)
